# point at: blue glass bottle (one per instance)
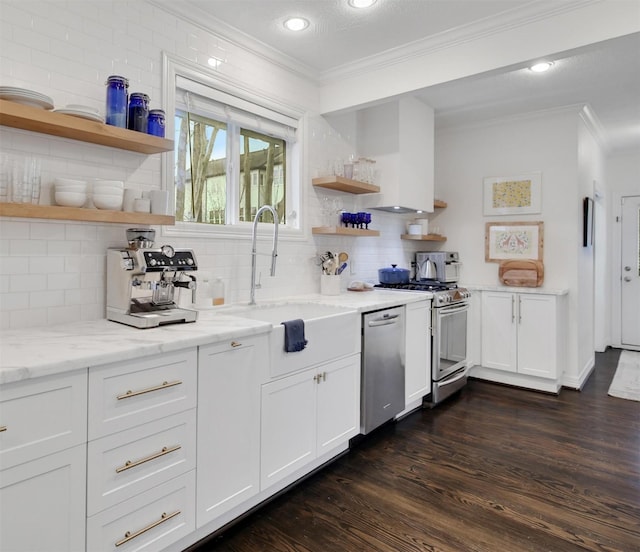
(155, 125)
(117, 97)
(138, 112)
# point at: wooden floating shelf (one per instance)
(424, 237)
(342, 184)
(26, 210)
(439, 204)
(16, 115)
(340, 231)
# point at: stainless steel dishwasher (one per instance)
(382, 367)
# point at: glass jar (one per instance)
(155, 124)
(138, 112)
(117, 96)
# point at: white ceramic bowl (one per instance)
(78, 188)
(70, 199)
(60, 180)
(112, 183)
(108, 190)
(108, 201)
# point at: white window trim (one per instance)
(173, 67)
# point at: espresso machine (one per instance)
(142, 284)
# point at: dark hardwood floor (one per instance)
(494, 469)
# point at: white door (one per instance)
(630, 285)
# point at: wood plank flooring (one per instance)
(495, 469)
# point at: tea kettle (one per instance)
(429, 270)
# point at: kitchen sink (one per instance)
(331, 331)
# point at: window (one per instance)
(234, 152)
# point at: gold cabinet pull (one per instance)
(236, 344)
(129, 464)
(165, 385)
(3, 428)
(130, 536)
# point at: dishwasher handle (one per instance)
(386, 320)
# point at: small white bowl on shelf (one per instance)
(112, 202)
(70, 199)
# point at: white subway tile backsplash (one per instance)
(49, 298)
(63, 315)
(14, 300)
(46, 265)
(27, 282)
(27, 247)
(59, 247)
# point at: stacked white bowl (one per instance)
(108, 194)
(70, 193)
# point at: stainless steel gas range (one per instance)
(449, 310)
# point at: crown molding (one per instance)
(196, 16)
(594, 126)
(511, 19)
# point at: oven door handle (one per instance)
(453, 309)
(444, 382)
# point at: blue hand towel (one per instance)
(294, 335)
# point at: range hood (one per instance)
(399, 135)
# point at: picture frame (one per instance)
(513, 240)
(587, 222)
(513, 195)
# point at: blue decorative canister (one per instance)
(117, 97)
(138, 112)
(155, 124)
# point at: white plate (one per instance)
(84, 108)
(80, 114)
(43, 102)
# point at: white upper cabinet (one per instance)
(399, 136)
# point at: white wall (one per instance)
(546, 142)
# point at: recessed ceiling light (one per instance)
(541, 67)
(361, 3)
(296, 23)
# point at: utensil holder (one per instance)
(329, 284)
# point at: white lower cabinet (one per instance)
(522, 334)
(417, 365)
(307, 414)
(42, 503)
(149, 521)
(229, 378)
(43, 428)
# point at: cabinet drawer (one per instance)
(125, 464)
(149, 521)
(42, 416)
(126, 394)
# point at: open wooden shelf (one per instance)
(25, 210)
(439, 204)
(424, 237)
(342, 231)
(16, 115)
(342, 184)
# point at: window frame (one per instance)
(174, 67)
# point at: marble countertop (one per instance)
(513, 289)
(42, 351)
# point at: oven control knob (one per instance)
(153, 262)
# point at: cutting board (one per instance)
(521, 273)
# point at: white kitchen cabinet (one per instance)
(417, 362)
(306, 415)
(521, 334)
(229, 379)
(43, 462)
(42, 503)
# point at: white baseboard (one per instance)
(578, 381)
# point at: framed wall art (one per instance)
(513, 195)
(513, 240)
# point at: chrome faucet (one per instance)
(274, 252)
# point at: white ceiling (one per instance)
(605, 75)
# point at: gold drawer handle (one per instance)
(165, 385)
(130, 536)
(129, 464)
(236, 344)
(3, 428)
